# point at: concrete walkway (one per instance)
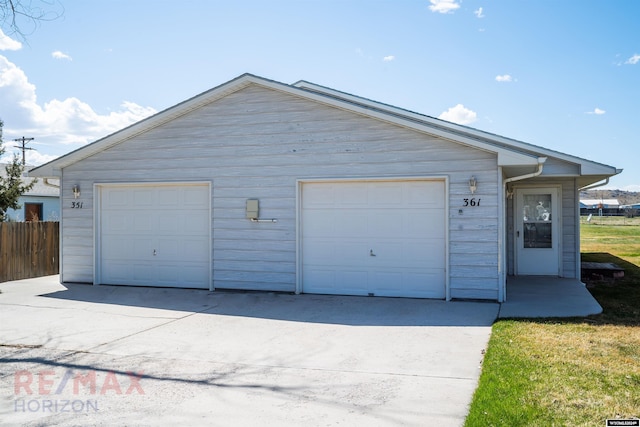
(107, 355)
(543, 296)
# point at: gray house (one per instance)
(261, 185)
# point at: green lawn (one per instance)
(565, 372)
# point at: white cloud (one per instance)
(459, 114)
(388, 58)
(504, 78)
(597, 111)
(68, 121)
(633, 60)
(60, 55)
(7, 43)
(443, 6)
(478, 13)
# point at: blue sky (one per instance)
(561, 74)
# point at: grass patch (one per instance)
(562, 372)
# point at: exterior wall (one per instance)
(569, 226)
(255, 143)
(50, 208)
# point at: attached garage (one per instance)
(265, 186)
(153, 235)
(384, 238)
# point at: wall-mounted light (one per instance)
(473, 184)
(76, 191)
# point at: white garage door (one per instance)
(374, 238)
(155, 235)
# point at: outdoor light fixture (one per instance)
(76, 191)
(473, 184)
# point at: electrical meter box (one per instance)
(252, 209)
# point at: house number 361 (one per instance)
(76, 205)
(471, 202)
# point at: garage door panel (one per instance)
(318, 196)
(168, 222)
(351, 195)
(330, 253)
(356, 282)
(319, 224)
(426, 196)
(374, 237)
(145, 240)
(196, 224)
(418, 252)
(196, 198)
(140, 223)
(386, 194)
(116, 199)
(117, 249)
(142, 199)
(168, 198)
(418, 284)
(143, 274)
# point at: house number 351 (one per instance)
(471, 202)
(76, 205)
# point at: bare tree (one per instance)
(22, 17)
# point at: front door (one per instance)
(537, 232)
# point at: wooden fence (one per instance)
(29, 249)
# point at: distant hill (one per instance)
(624, 197)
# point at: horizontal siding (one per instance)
(488, 294)
(569, 237)
(256, 143)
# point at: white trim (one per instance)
(60, 235)
(299, 186)
(97, 201)
(502, 245)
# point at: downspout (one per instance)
(596, 185)
(502, 294)
(47, 183)
(588, 187)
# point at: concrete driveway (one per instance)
(106, 355)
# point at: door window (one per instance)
(537, 221)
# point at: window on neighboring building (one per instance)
(33, 212)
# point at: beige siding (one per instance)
(256, 143)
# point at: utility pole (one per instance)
(24, 141)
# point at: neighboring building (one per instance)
(261, 185)
(41, 203)
(600, 207)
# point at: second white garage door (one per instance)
(374, 238)
(155, 235)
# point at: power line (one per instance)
(24, 141)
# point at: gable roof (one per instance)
(510, 153)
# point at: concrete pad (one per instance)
(223, 358)
(543, 296)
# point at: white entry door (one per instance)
(154, 235)
(374, 238)
(537, 239)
